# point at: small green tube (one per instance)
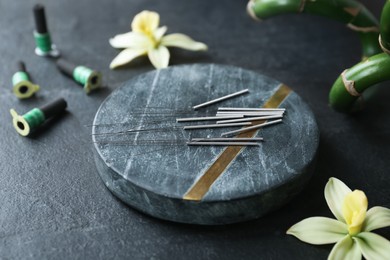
(43, 42)
(34, 118)
(89, 78)
(22, 86)
(19, 77)
(25, 124)
(81, 74)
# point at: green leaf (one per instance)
(335, 192)
(319, 230)
(376, 217)
(126, 56)
(159, 57)
(182, 41)
(346, 249)
(373, 246)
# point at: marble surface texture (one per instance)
(154, 178)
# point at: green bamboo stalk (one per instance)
(349, 12)
(361, 76)
(364, 74)
(385, 28)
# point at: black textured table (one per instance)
(53, 203)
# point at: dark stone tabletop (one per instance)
(53, 204)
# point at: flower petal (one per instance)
(346, 248)
(376, 217)
(159, 33)
(373, 246)
(131, 40)
(145, 22)
(354, 210)
(159, 57)
(126, 56)
(335, 192)
(319, 230)
(182, 41)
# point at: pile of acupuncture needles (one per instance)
(233, 117)
(249, 119)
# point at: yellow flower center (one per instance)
(146, 22)
(354, 210)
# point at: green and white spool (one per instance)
(89, 78)
(25, 124)
(22, 86)
(44, 46)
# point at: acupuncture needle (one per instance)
(127, 123)
(197, 143)
(224, 143)
(154, 141)
(167, 129)
(245, 113)
(221, 99)
(208, 118)
(246, 129)
(249, 119)
(191, 127)
(178, 141)
(231, 139)
(249, 109)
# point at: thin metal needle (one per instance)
(249, 109)
(245, 113)
(167, 129)
(190, 119)
(246, 129)
(248, 119)
(215, 125)
(220, 99)
(230, 139)
(224, 143)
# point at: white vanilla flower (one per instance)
(146, 38)
(352, 230)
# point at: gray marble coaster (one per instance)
(181, 183)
